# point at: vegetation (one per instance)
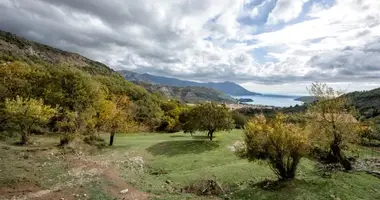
(81, 103)
(281, 144)
(115, 116)
(239, 119)
(171, 163)
(209, 117)
(366, 102)
(89, 96)
(24, 114)
(332, 125)
(189, 94)
(171, 120)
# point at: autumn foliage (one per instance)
(279, 143)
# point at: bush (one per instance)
(279, 143)
(95, 141)
(66, 138)
(239, 119)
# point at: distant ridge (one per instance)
(226, 87)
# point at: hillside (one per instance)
(189, 94)
(226, 87)
(68, 80)
(366, 102)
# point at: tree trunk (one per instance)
(337, 152)
(210, 134)
(24, 138)
(293, 167)
(112, 135)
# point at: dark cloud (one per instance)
(167, 38)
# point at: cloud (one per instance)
(286, 10)
(217, 40)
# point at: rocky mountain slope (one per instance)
(226, 87)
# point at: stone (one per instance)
(124, 191)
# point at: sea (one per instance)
(272, 100)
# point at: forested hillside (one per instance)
(189, 94)
(366, 102)
(70, 83)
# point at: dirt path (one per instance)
(83, 170)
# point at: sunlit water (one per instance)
(283, 101)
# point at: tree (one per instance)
(281, 144)
(68, 125)
(170, 121)
(25, 114)
(115, 116)
(332, 125)
(210, 117)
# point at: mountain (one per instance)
(226, 87)
(189, 94)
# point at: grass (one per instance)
(19, 166)
(175, 161)
(183, 159)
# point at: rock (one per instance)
(168, 181)
(62, 198)
(332, 196)
(85, 195)
(374, 173)
(124, 191)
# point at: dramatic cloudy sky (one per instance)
(265, 45)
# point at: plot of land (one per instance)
(165, 166)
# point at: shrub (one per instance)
(239, 119)
(66, 138)
(279, 143)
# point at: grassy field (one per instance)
(163, 165)
(182, 159)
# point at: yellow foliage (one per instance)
(281, 144)
(24, 114)
(115, 116)
(331, 123)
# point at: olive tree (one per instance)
(210, 117)
(24, 114)
(279, 143)
(331, 122)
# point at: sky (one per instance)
(267, 46)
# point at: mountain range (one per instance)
(226, 87)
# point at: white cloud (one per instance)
(285, 10)
(206, 40)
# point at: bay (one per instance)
(272, 100)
